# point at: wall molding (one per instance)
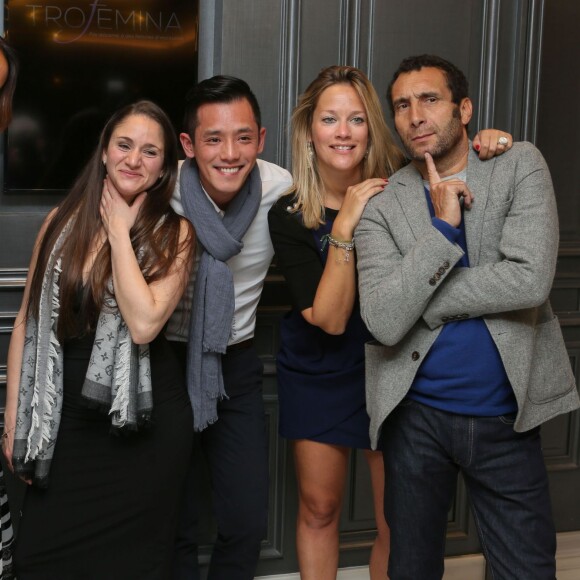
(489, 55)
(532, 70)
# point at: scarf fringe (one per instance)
(121, 384)
(42, 411)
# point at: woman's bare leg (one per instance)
(321, 472)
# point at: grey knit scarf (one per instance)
(213, 298)
(118, 376)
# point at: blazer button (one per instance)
(432, 281)
(446, 265)
(415, 355)
(437, 276)
(441, 270)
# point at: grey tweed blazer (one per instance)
(409, 288)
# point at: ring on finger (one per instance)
(502, 141)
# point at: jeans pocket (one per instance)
(508, 419)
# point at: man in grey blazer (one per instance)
(456, 260)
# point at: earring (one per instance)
(366, 154)
(309, 154)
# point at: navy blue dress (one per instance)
(321, 382)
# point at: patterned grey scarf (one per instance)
(213, 297)
(118, 377)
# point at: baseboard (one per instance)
(473, 566)
(568, 556)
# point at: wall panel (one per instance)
(557, 126)
(558, 118)
(417, 27)
(254, 40)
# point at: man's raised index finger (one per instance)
(431, 169)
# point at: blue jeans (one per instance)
(424, 449)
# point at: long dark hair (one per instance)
(156, 242)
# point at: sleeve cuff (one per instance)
(451, 233)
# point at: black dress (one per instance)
(109, 512)
(321, 380)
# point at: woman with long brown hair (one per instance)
(97, 416)
(342, 155)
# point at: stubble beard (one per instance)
(447, 139)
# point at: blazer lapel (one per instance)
(478, 178)
(411, 197)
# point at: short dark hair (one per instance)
(456, 81)
(217, 89)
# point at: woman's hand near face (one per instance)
(118, 217)
(353, 205)
(492, 142)
(145, 308)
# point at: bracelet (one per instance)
(6, 433)
(348, 247)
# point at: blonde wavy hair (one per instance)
(382, 160)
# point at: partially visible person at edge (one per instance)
(97, 416)
(456, 262)
(226, 192)
(8, 76)
(342, 155)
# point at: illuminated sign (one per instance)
(79, 62)
(97, 20)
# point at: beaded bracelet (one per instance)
(348, 247)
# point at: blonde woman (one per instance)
(342, 155)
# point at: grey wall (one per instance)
(520, 57)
